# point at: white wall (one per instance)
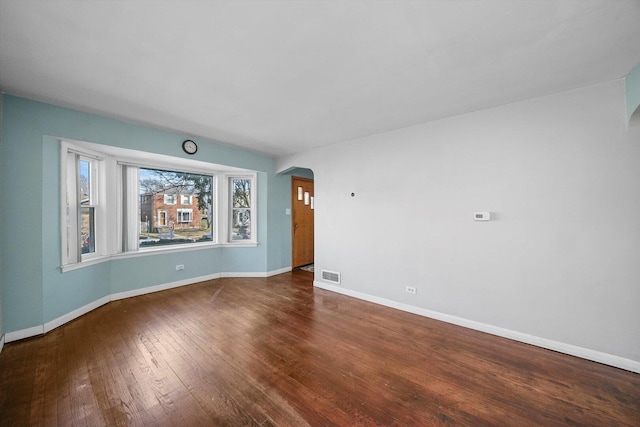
(1, 219)
(561, 260)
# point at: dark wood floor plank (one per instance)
(198, 356)
(276, 351)
(218, 393)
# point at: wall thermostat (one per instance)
(482, 216)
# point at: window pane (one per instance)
(87, 230)
(85, 182)
(87, 211)
(162, 221)
(241, 226)
(241, 193)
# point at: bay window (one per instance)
(120, 202)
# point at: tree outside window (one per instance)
(241, 209)
(87, 208)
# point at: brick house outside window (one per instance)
(161, 211)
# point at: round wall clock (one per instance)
(189, 147)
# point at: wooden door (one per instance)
(301, 222)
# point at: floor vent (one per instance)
(331, 276)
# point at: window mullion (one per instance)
(130, 178)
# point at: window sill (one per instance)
(240, 245)
(154, 251)
(86, 263)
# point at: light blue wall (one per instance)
(632, 84)
(22, 246)
(35, 290)
(280, 243)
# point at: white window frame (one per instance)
(112, 240)
(70, 205)
(173, 197)
(188, 198)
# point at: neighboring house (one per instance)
(166, 210)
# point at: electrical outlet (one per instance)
(179, 267)
(411, 290)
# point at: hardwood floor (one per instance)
(276, 351)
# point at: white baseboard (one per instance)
(68, 317)
(279, 271)
(41, 329)
(247, 274)
(584, 353)
(24, 333)
(1, 342)
(256, 274)
(163, 287)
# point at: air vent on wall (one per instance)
(331, 276)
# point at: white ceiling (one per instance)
(280, 77)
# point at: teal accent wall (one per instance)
(22, 247)
(632, 85)
(34, 290)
